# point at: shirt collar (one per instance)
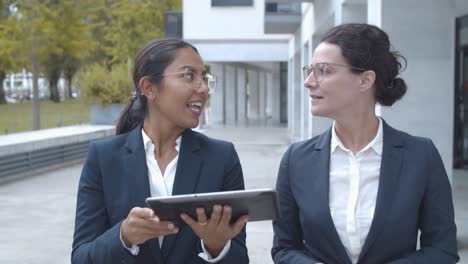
(376, 144)
(147, 143)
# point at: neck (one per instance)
(162, 134)
(355, 133)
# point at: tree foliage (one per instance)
(72, 38)
(55, 38)
(133, 24)
(8, 45)
(122, 28)
(106, 86)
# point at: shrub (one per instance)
(105, 86)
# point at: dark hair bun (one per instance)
(393, 92)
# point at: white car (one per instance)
(10, 100)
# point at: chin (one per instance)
(317, 111)
(193, 123)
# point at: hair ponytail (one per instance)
(131, 115)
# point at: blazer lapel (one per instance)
(389, 173)
(321, 154)
(137, 170)
(186, 178)
(188, 166)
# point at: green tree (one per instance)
(121, 28)
(134, 23)
(98, 18)
(32, 30)
(80, 42)
(8, 49)
(72, 40)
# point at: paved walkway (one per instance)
(37, 213)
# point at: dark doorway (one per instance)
(460, 145)
(283, 92)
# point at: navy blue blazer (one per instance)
(414, 194)
(115, 179)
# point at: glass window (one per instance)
(231, 2)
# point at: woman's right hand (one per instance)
(142, 224)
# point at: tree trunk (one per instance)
(69, 84)
(35, 99)
(72, 65)
(2, 91)
(52, 70)
(53, 87)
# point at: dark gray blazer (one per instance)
(414, 194)
(115, 179)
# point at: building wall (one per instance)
(428, 107)
(241, 50)
(461, 7)
(231, 34)
(230, 101)
(217, 113)
(246, 61)
(201, 21)
(274, 96)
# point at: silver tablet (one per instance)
(259, 204)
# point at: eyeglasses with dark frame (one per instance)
(189, 76)
(321, 69)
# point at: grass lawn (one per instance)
(17, 117)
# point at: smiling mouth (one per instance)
(195, 107)
(316, 97)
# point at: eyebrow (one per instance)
(191, 68)
(326, 63)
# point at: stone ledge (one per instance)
(47, 138)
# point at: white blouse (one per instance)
(354, 181)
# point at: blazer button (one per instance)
(123, 261)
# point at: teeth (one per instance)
(195, 106)
(199, 104)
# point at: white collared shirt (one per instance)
(354, 180)
(162, 185)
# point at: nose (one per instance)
(202, 87)
(310, 82)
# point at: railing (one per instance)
(33, 160)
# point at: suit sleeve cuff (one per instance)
(133, 250)
(205, 255)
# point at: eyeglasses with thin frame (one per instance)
(189, 76)
(321, 69)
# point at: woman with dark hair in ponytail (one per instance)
(361, 191)
(155, 153)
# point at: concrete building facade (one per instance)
(245, 60)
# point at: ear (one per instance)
(367, 80)
(147, 88)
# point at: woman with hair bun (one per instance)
(361, 191)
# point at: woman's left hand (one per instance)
(216, 231)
